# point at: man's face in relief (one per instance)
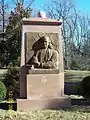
(45, 42)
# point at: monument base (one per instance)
(51, 103)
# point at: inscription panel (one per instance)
(43, 86)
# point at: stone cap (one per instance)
(41, 21)
(44, 71)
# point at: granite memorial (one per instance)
(41, 73)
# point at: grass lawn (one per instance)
(74, 113)
(75, 75)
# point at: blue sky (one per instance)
(82, 5)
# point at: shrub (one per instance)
(11, 82)
(85, 87)
(2, 91)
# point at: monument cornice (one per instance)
(41, 21)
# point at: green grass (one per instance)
(74, 113)
(75, 75)
(76, 97)
(70, 75)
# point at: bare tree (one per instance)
(25, 3)
(75, 33)
(3, 15)
(65, 10)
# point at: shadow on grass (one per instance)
(6, 106)
(83, 102)
(78, 108)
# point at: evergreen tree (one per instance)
(13, 34)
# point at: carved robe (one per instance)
(49, 58)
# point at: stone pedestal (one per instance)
(44, 91)
(44, 103)
(41, 88)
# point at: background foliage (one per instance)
(84, 87)
(2, 91)
(10, 36)
(11, 82)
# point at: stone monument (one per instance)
(41, 73)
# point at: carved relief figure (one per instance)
(45, 56)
